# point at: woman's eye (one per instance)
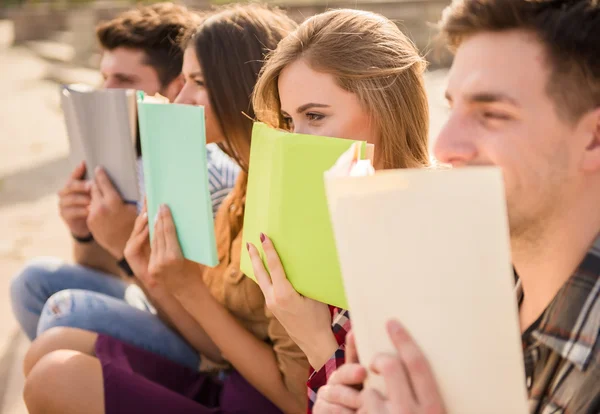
(199, 82)
(314, 117)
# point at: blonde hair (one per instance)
(369, 56)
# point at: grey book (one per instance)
(101, 125)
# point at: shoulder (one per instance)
(221, 164)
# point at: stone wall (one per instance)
(415, 17)
(33, 22)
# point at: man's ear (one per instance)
(174, 88)
(591, 157)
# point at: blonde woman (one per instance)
(346, 74)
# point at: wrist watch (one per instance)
(125, 267)
(86, 239)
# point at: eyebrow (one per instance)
(126, 76)
(487, 97)
(304, 107)
(195, 75)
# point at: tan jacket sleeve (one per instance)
(292, 362)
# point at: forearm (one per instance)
(92, 255)
(320, 351)
(255, 360)
(171, 312)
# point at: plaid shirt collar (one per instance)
(571, 323)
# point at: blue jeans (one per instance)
(48, 293)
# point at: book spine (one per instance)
(147, 153)
(277, 191)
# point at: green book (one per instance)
(286, 201)
(176, 174)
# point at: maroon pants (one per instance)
(138, 381)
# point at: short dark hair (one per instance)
(569, 31)
(231, 45)
(155, 29)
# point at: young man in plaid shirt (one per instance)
(525, 96)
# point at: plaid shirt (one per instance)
(561, 350)
(341, 326)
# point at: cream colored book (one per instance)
(431, 249)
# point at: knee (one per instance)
(49, 379)
(75, 308)
(37, 388)
(57, 308)
(29, 281)
(50, 341)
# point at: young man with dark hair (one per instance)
(140, 51)
(524, 92)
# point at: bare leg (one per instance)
(56, 339)
(65, 382)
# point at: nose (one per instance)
(301, 128)
(455, 144)
(110, 83)
(185, 96)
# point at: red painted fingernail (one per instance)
(262, 238)
(248, 246)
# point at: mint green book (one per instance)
(173, 142)
(286, 201)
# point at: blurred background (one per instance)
(46, 43)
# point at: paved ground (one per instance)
(33, 165)
(32, 162)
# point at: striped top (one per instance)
(222, 174)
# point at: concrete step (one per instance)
(66, 74)
(62, 36)
(7, 33)
(52, 51)
(11, 400)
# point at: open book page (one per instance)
(76, 153)
(99, 128)
(430, 248)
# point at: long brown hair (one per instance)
(231, 45)
(369, 56)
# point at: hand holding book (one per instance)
(307, 321)
(110, 219)
(74, 202)
(407, 375)
(342, 391)
(137, 249)
(168, 267)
